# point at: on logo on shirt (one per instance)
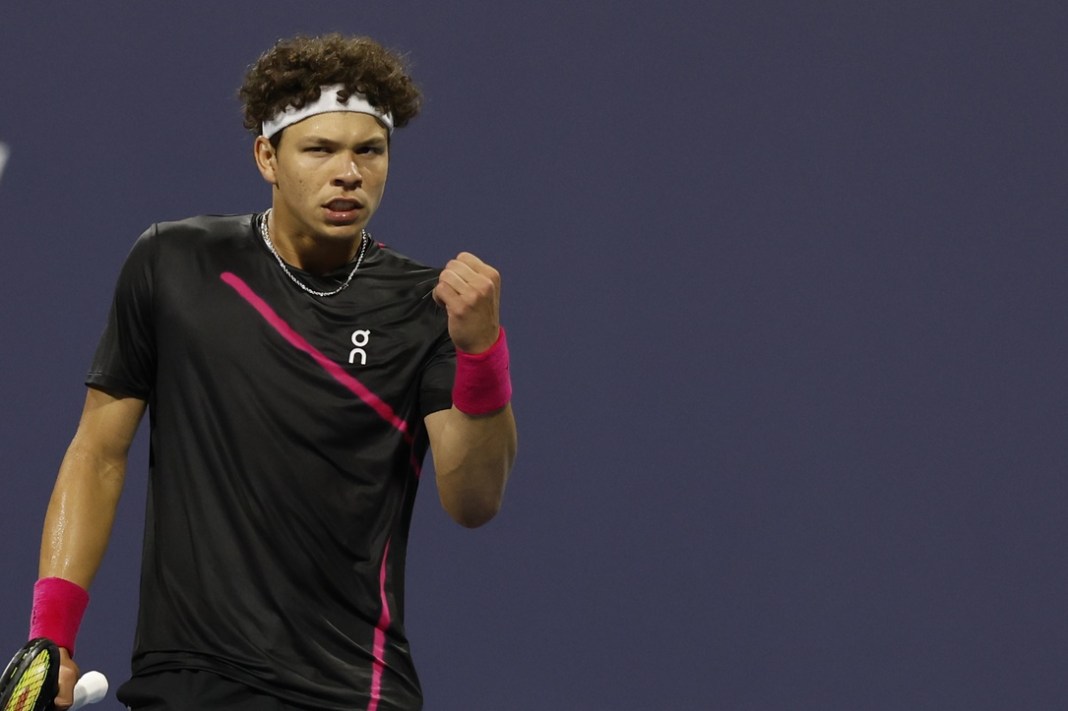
(360, 338)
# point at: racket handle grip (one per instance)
(90, 688)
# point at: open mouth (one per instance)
(342, 210)
(343, 205)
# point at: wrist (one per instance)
(483, 382)
(58, 607)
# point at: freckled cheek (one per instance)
(378, 177)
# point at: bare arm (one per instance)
(82, 508)
(472, 458)
(472, 453)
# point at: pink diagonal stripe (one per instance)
(296, 340)
(379, 665)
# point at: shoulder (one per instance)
(399, 288)
(179, 241)
(204, 227)
(388, 260)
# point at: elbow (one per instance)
(473, 511)
(474, 519)
(472, 494)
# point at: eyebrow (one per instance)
(332, 143)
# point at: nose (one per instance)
(348, 175)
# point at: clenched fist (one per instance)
(470, 291)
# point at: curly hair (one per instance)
(293, 71)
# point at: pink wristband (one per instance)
(58, 606)
(483, 384)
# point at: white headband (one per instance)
(326, 103)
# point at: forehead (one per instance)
(340, 126)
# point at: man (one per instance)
(295, 371)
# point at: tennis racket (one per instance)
(31, 680)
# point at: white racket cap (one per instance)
(91, 688)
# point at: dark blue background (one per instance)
(785, 286)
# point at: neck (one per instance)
(315, 255)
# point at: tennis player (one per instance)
(295, 370)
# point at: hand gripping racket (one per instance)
(31, 680)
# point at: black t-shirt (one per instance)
(286, 440)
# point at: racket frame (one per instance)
(21, 662)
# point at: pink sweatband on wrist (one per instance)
(483, 383)
(58, 606)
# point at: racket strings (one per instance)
(26, 693)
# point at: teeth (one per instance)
(342, 205)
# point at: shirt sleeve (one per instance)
(125, 359)
(435, 387)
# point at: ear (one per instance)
(266, 159)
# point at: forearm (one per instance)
(472, 459)
(474, 442)
(80, 513)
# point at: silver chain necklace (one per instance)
(365, 239)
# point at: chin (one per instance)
(350, 231)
